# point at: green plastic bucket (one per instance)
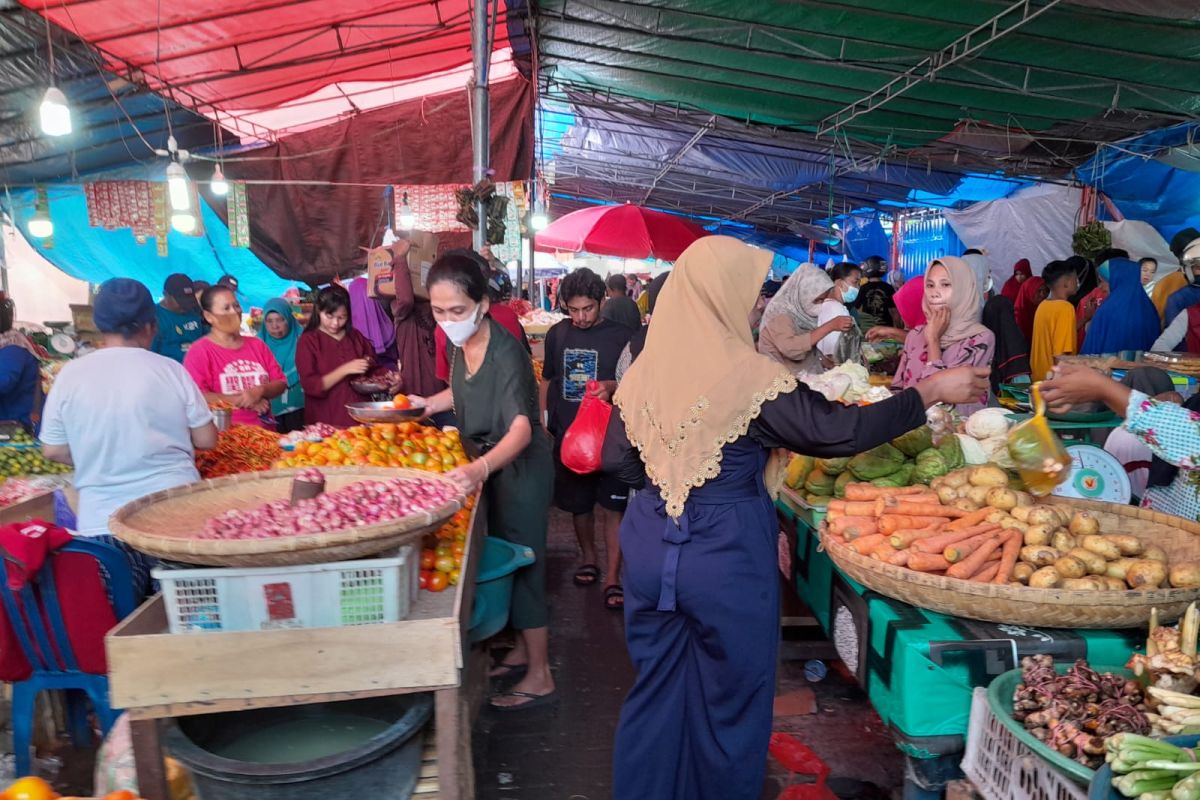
(493, 587)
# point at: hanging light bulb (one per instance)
(55, 113)
(40, 226)
(539, 219)
(184, 222)
(407, 219)
(178, 187)
(218, 184)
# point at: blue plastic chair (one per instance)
(43, 638)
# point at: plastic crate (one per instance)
(1002, 768)
(332, 595)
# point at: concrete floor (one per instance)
(564, 752)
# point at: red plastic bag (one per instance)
(584, 440)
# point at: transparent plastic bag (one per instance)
(1041, 460)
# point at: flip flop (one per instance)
(535, 700)
(614, 597)
(512, 672)
(587, 575)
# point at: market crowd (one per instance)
(707, 368)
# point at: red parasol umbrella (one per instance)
(626, 231)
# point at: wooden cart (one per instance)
(155, 675)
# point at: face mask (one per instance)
(228, 323)
(850, 295)
(459, 332)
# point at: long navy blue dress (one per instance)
(702, 604)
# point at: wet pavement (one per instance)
(564, 752)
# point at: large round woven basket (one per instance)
(1043, 608)
(167, 524)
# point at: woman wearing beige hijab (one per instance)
(698, 414)
(952, 335)
(790, 332)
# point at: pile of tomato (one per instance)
(403, 444)
(442, 551)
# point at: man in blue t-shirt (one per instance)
(179, 320)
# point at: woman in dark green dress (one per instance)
(494, 395)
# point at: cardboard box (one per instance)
(422, 252)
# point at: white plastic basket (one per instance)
(1002, 768)
(330, 595)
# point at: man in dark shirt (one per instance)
(875, 306)
(585, 348)
(618, 307)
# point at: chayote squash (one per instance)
(797, 471)
(901, 477)
(819, 483)
(878, 462)
(915, 441)
(839, 486)
(832, 466)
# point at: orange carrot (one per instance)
(856, 509)
(869, 491)
(1008, 559)
(903, 538)
(836, 508)
(988, 573)
(883, 551)
(850, 534)
(960, 550)
(899, 558)
(936, 544)
(842, 523)
(927, 562)
(890, 523)
(973, 563)
(928, 510)
(891, 502)
(863, 545)
(973, 518)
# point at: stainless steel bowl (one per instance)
(382, 412)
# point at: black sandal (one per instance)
(614, 598)
(587, 575)
(512, 672)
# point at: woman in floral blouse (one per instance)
(1171, 431)
(952, 335)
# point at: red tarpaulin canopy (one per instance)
(236, 55)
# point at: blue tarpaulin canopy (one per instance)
(95, 255)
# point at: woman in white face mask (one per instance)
(840, 347)
(494, 396)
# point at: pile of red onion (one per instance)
(359, 504)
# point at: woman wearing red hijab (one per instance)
(1021, 273)
(1033, 292)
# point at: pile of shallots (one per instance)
(359, 504)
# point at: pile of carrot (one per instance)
(909, 527)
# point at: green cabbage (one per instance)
(915, 441)
(877, 462)
(930, 464)
(832, 466)
(952, 452)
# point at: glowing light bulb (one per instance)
(218, 184)
(184, 222)
(179, 189)
(55, 113)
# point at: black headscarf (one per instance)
(638, 340)
(1087, 278)
(1011, 355)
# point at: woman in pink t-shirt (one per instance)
(229, 367)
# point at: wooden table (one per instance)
(155, 675)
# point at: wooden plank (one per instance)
(148, 759)
(247, 704)
(465, 601)
(448, 730)
(161, 669)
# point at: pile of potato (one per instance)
(1063, 548)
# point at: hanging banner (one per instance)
(239, 215)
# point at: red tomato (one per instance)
(423, 581)
(438, 582)
(444, 564)
(458, 548)
(428, 557)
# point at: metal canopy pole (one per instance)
(481, 111)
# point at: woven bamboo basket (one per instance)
(1043, 608)
(167, 524)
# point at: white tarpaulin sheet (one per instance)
(1139, 239)
(1036, 223)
